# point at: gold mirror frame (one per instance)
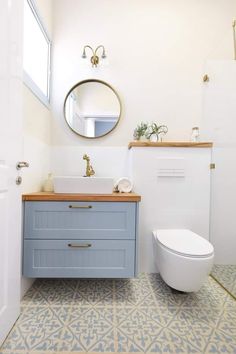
(97, 81)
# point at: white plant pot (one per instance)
(154, 138)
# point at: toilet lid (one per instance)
(184, 242)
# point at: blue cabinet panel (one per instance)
(79, 258)
(79, 220)
(79, 239)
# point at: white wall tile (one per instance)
(106, 161)
(219, 113)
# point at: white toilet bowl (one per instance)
(184, 259)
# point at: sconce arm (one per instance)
(103, 50)
(84, 51)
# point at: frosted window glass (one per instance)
(36, 50)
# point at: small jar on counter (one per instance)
(48, 184)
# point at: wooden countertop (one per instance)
(170, 144)
(114, 197)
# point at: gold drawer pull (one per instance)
(84, 245)
(80, 206)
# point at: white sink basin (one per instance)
(83, 185)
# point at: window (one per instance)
(36, 53)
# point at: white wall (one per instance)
(37, 131)
(220, 126)
(37, 141)
(109, 161)
(157, 51)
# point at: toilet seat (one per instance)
(184, 242)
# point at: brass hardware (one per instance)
(89, 169)
(85, 245)
(94, 58)
(21, 164)
(80, 206)
(206, 78)
(234, 37)
(212, 166)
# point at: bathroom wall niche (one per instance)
(92, 108)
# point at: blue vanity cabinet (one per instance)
(79, 220)
(80, 239)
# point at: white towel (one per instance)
(123, 185)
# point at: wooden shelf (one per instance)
(170, 144)
(114, 197)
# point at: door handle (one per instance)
(80, 206)
(21, 164)
(82, 245)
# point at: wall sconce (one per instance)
(94, 58)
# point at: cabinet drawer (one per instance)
(79, 258)
(79, 220)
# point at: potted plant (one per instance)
(153, 131)
(140, 131)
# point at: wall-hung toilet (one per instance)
(184, 259)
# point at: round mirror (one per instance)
(92, 108)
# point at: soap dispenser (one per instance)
(48, 184)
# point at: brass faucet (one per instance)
(89, 169)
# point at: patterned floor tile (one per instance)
(229, 303)
(226, 274)
(93, 328)
(68, 292)
(137, 332)
(141, 315)
(95, 292)
(227, 323)
(134, 292)
(35, 327)
(195, 325)
(169, 342)
(164, 295)
(46, 292)
(221, 343)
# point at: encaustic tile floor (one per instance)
(226, 275)
(140, 315)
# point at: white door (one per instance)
(10, 154)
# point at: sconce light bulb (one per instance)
(103, 56)
(84, 54)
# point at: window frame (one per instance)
(28, 81)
